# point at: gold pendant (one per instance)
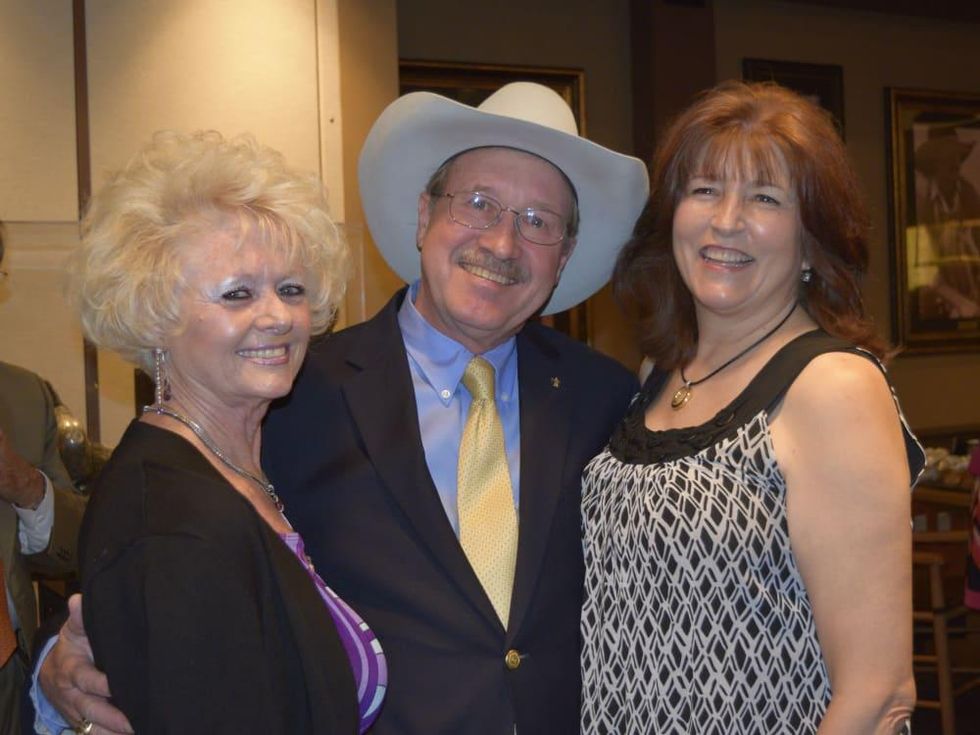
(681, 396)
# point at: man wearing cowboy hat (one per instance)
(520, 216)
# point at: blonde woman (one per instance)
(209, 263)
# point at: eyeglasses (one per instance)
(481, 212)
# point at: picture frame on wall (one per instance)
(934, 203)
(821, 83)
(471, 84)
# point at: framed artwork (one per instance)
(934, 203)
(821, 83)
(473, 83)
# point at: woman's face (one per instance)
(245, 322)
(738, 244)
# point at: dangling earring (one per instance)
(806, 275)
(161, 385)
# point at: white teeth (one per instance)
(264, 353)
(487, 274)
(725, 255)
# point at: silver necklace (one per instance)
(162, 410)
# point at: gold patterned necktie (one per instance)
(8, 639)
(487, 518)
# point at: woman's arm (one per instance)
(177, 625)
(839, 444)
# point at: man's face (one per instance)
(480, 286)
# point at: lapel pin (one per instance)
(556, 382)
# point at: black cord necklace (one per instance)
(683, 394)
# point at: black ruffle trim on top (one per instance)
(633, 443)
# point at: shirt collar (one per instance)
(441, 360)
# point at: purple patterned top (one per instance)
(367, 660)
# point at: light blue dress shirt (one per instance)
(437, 363)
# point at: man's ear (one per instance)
(423, 224)
(568, 247)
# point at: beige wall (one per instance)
(38, 193)
(876, 51)
(248, 66)
(369, 59)
(271, 69)
(37, 116)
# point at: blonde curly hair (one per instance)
(125, 279)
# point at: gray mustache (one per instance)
(483, 259)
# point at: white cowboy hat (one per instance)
(417, 132)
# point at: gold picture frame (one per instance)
(821, 83)
(934, 202)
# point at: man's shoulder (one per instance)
(379, 332)
(16, 374)
(572, 353)
(22, 389)
(345, 348)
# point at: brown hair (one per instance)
(760, 130)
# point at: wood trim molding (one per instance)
(84, 169)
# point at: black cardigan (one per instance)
(202, 618)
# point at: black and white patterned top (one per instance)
(696, 619)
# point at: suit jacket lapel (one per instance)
(381, 399)
(546, 409)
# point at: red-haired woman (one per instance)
(747, 535)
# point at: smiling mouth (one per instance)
(265, 353)
(487, 274)
(725, 256)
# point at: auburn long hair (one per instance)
(761, 131)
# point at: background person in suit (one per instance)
(369, 451)
(39, 518)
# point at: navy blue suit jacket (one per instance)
(346, 456)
